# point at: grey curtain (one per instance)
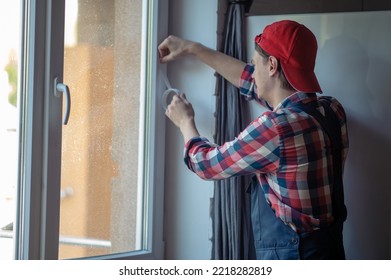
(230, 206)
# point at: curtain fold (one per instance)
(230, 207)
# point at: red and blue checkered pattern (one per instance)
(288, 151)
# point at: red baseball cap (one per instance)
(295, 46)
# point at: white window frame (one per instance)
(38, 198)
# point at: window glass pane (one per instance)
(9, 48)
(99, 189)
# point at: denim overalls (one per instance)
(273, 239)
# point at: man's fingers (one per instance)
(184, 98)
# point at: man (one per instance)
(296, 150)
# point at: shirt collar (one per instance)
(296, 97)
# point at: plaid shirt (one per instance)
(288, 151)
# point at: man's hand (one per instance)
(172, 48)
(181, 113)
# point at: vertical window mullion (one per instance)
(36, 232)
(53, 127)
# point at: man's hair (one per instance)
(284, 82)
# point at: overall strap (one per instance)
(331, 126)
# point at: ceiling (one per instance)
(269, 7)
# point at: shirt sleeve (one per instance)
(255, 150)
(248, 88)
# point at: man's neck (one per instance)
(278, 96)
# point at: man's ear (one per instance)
(273, 65)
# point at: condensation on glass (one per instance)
(98, 211)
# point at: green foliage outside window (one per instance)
(12, 70)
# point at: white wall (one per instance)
(187, 221)
(354, 63)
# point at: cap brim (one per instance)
(301, 80)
